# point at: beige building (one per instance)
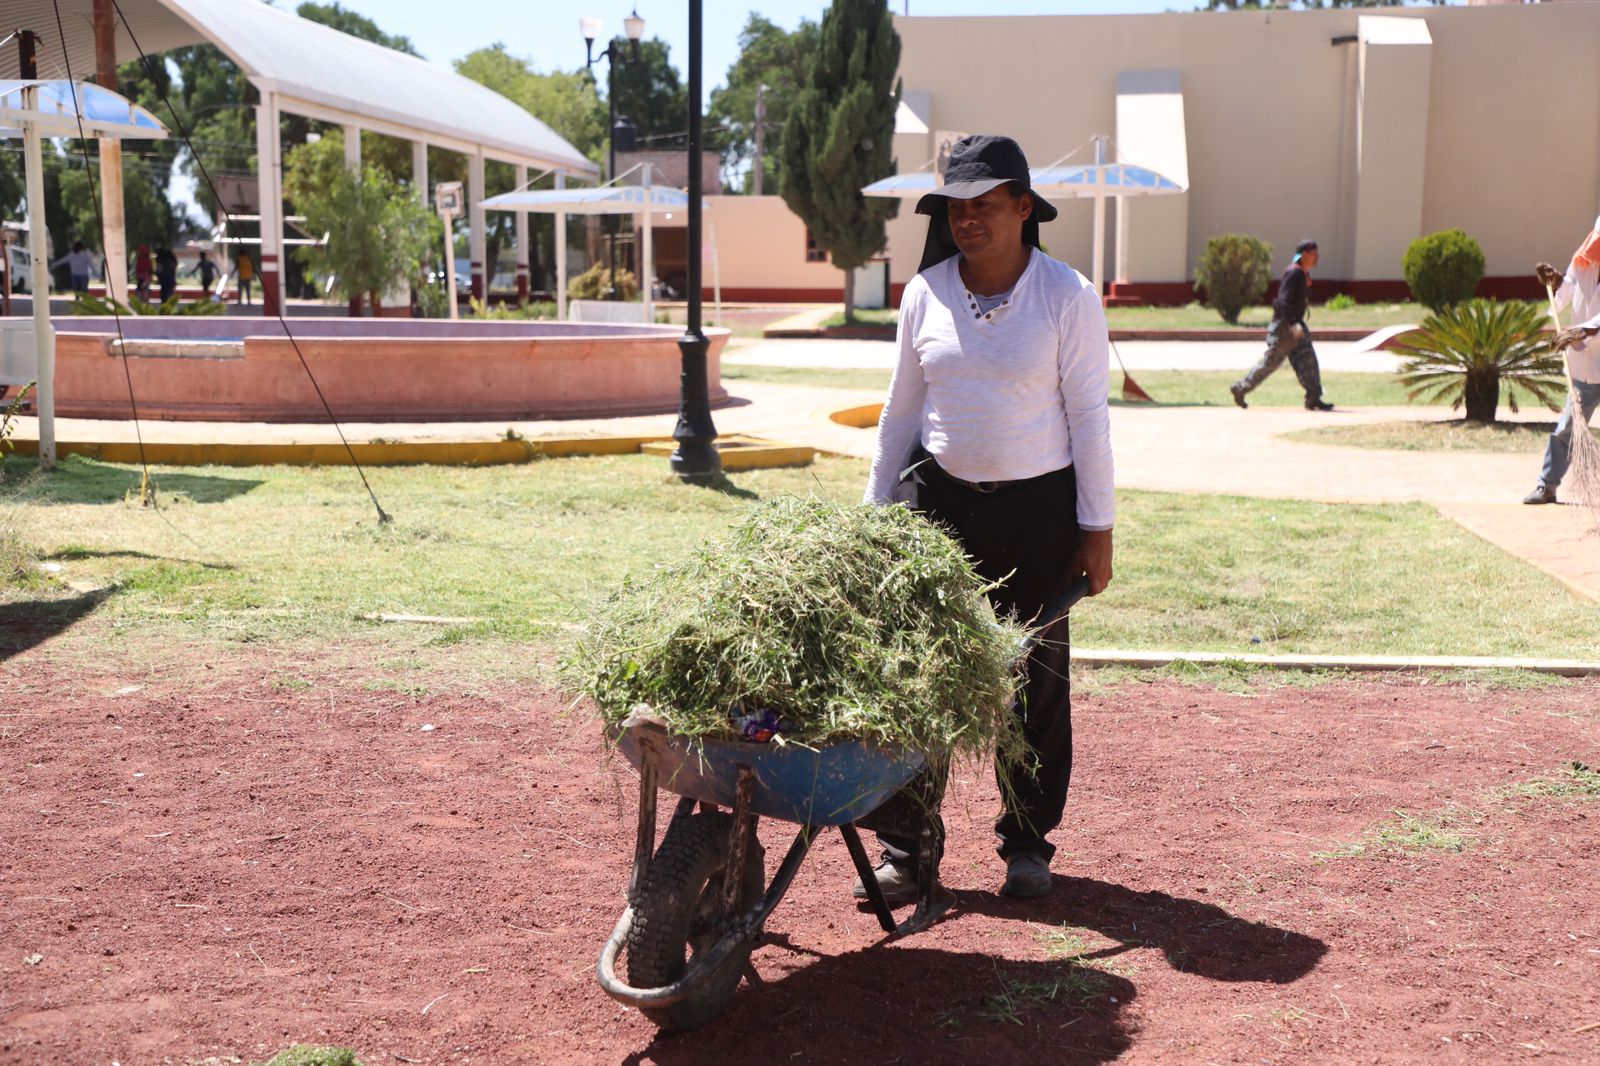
(1360, 130)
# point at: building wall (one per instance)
(761, 250)
(1274, 116)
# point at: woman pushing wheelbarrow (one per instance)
(824, 664)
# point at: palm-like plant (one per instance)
(1466, 352)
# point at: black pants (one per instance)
(1028, 530)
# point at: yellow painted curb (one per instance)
(740, 452)
(368, 453)
(863, 417)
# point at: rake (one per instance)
(1131, 392)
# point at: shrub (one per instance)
(592, 284)
(1443, 268)
(533, 309)
(1464, 352)
(1341, 302)
(1233, 270)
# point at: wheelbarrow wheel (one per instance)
(678, 909)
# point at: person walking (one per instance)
(1578, 288)
(80, 264)
(207, 270)
(1288, 336)
(997, 424)
(166, 272)
(247, 274)
(143, 271)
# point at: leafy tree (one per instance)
(565, 101)
(772, 56)
(840, 135)
(356, 25)
(1466, 351)
(649, 91)
(379, 235)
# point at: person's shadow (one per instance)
(1195, 936)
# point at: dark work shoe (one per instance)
(1318, 405)
(897, 880)
(1238, 395)
(1027, 876)
(1540, 494)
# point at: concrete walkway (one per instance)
(1211, 450)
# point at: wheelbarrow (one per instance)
(698, 905)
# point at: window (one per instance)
(814, 252)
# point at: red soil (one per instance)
(219, 868)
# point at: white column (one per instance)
(352, 149)
(647, 259)
(38, 242)
(269, 170)
(561, 254)
(524, 260)
(1099, 274)
(478, 246)
(115, 229)
(419, 170)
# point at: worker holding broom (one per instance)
(996, 427)
(1578, 288)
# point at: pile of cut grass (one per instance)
(850, 622)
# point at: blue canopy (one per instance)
(63, 105)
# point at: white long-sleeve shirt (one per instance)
(1002, 395)
(1581, 290)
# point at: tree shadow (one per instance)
(29, 623)
(896, 1003)
(76, 480)
(1196, 937)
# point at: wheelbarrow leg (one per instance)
(933, 899)
(869, 879)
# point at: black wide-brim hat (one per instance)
(980, 163)
(977, 164)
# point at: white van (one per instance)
(18, 262)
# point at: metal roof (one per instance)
(334, 76)
(606, 200)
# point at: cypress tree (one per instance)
(840, 134)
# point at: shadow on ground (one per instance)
(79, 480)
(29, 623)
(894, 1003)
(1196, 937)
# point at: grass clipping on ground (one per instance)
(850, 622)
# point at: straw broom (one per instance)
(1583, 475)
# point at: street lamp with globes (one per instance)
(633, 26)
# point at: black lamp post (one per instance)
(633, 26)
(696, 457)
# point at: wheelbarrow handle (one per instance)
(1056, 610)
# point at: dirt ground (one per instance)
(206, 861)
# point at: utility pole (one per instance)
(761, 133)
(114, 249)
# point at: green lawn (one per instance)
(1453, 435)
(290, 554)
(1169, 387)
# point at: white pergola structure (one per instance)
(304, 68)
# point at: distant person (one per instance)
(166, 272)
(143, 272)
(1288, 337)
(80, 264)
(207, 270)
(1578, 288)
(247, 274)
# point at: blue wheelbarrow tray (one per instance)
(830, 785)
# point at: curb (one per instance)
(1359, 663)
(887, 333)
